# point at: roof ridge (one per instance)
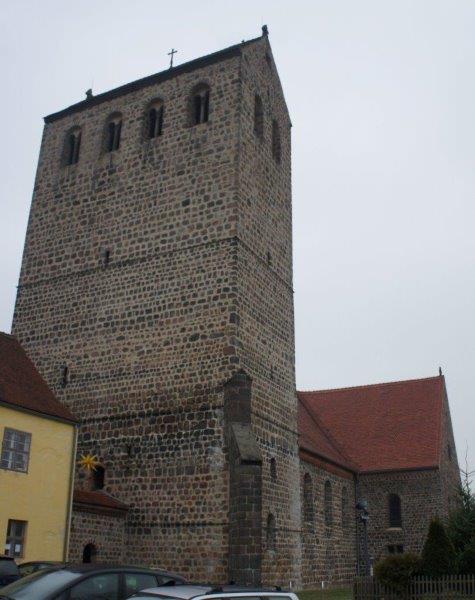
(370, 385)
(149, 80)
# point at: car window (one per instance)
(8, 567)
(38, 584)
(134, 582)
(104, 586)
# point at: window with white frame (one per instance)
(15, 542)
(15, 450)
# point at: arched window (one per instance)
(200, 104)
(276, 150)
(307, 499)
(98, 478)
(345, 509)
(270, 533)
(328, 502)
(64, 375)
(72, 145)
(89, 553)
(394, 505)
(273, 469)
(258, 117)
(155, 119)
(112, 132)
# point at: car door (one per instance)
(134, 582)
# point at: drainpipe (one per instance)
(70, 498)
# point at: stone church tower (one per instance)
(155, 298)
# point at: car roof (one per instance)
(84, 568)
(186, 592)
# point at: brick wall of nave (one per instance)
(328, 526)
(421, 500)
(106, 532)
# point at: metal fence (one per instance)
(450, 587)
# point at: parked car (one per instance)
(87, 582)
(207, 592)
(8, 570)
(27, 568)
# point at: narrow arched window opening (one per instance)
(155, 119)
(113, 132)
(64, 376)
(72, 146)
(89, 553)
(276, 147)
(273, 469)
(271, 533)
(307, 499)
(258, 117)
(200, 104)
(98, 476)
(328, 503)
(345, 509)
(395, 514)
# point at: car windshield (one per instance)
(38, 585)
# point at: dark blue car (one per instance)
(8, 571)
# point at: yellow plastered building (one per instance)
(38, 445)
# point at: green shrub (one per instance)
(438, 554)
(395, 572)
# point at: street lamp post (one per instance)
(362, 505)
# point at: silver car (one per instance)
(208, 592)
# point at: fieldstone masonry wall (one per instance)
(106, 532)
(197, 284)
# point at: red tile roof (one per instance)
(98, 498)
(381, 427)
(22, 386)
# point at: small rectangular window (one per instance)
(15, 450)
(15, 542)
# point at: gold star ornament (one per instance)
(88, 462)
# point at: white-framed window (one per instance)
(15, 541)
(15, 450)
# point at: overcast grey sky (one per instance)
(382, 99)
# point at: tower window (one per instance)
(273, 469)
(328, 500)
(106, 256)
(72, 146)
(394, 506)
(113, 132)
(98, 478)
(271, 533)
(276, 148)
(155, 119)
(200, 104)
(269, 259)
(258, 117)
(64, 376)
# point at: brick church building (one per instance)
(156, 299)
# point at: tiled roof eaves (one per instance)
(367, 386)
(45, 415)
(187, 67)
(345, 467)
(399, 470)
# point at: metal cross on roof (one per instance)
(170, 54)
